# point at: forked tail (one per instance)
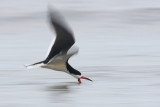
(38, 64)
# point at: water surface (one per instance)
(119, 50)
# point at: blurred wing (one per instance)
(64, 58)
(72, 51)
(64, 37)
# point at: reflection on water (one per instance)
(60, 93)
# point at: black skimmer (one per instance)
(61, 50)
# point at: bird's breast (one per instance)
(57, 65)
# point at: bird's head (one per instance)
(82, 77)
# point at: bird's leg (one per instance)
(79, 80)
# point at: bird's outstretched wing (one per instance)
(64, 37)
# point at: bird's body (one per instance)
(61, 50)
(59, 62)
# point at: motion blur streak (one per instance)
(119, 49)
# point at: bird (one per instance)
(61, 49)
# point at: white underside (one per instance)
(58, 62)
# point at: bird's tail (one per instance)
(38, 64)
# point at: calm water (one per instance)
(119, 50)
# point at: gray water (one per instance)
(119, 50)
